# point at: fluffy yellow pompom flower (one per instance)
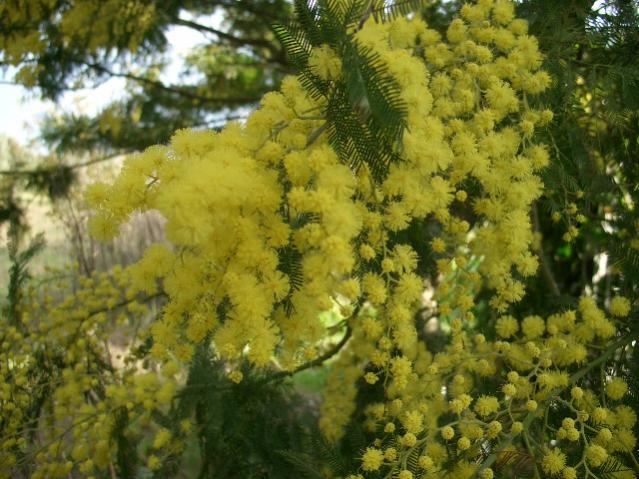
(494, 428)
(533, 327)
(506, 326)
(372, 459)
(463, 443)
(325, 63)
(517, 427)
(577, 393)
(448, 432)
(596, 455)
(409, 439)
(616, 388)
(554, 462)
(487, 474)
(426, 462)
(486, 405)
(569, 473)
(413, 422)
(619, 306)
(371, 378)
(509, 389)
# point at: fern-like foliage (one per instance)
(338, 458)
(612, 467)
(364, 104)
(241, 429)
(399, 8)
(127, 459)
(19, 274)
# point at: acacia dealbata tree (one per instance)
(583, 236)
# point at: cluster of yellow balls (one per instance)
(268, 227)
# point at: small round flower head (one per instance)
(325, 63)
(494, 428)
(572, 434)
(448, 433)
(619, 306)
(554, 462)
(506, 326)
(616, 388)
(517, 427)
(626, 416)
(372, 459)
(371, 378)
(463, 443)
(405, 474)
(599, 414)
(509, 389)
(456, 406)
(390, 454)
(366, 252)
(413, 421)
(425, 462)
(409, 439)
(533, 327)
(569, 473)
(486, 405)
(604, 434)
(596, 455)
(577, 393)
(486, 474)
(387, 265)
(438, 245)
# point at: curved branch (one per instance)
(256, 42)
(45, 169)
(171, 89)
(543, 260)
(313, 362)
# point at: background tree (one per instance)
(60, 46)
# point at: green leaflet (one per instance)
(364, 105)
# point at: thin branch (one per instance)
(125, 302)
(602, 358)
(316, 134)
(278, 56)
(257, 42)
(530, 417)
(545, 264)
(171, 89)
(101, 159)
(75, 166)
(313, 362)
(280, 374)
